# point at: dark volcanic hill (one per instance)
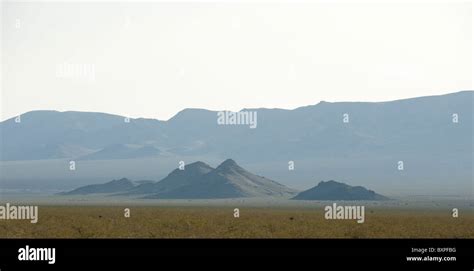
(176, 179)
(197, 181)
(228, 180)
(114, 186)
(332, 190)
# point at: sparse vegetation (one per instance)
(218, 222)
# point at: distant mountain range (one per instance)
(122, 151)
(415, 126)
(196, 181)
(421, 132)
(332, 190)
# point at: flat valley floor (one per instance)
(219, 222)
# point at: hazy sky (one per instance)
(155, 59)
